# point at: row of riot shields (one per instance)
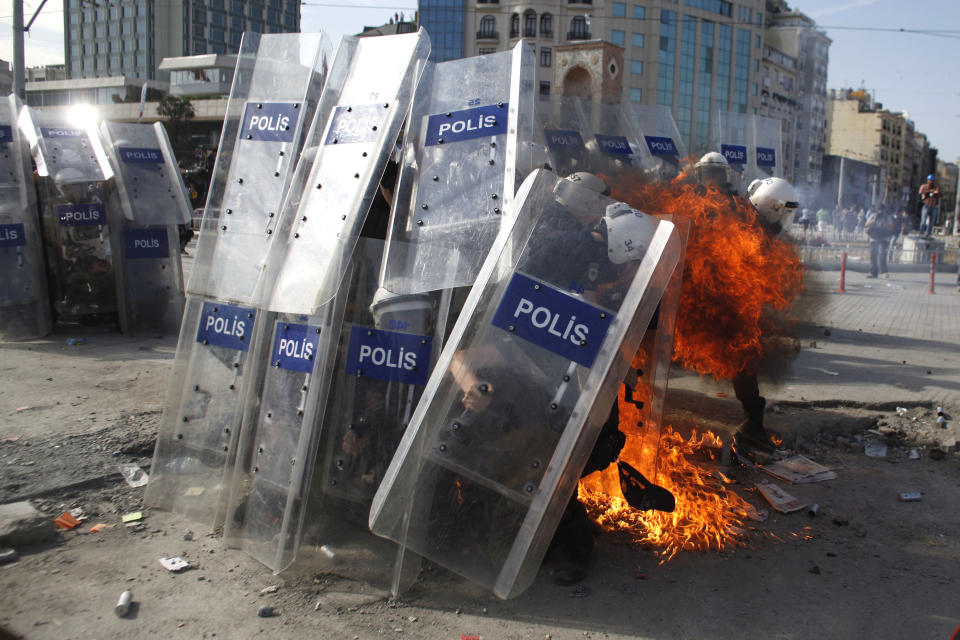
(321, 373)
(750, 143)
(110, 199)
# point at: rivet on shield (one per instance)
(535, 464)
(259, 105)
(229, 211)
(449, 114)
(257, 469)
(424, 206)
(232, 387)
(493, 144)
(296, 235)
(335, 141)
(442, 447)
(276, 174)
(269, 414)
(369, 333)
(349, 109)
(602, 315)
(249, 315)
(271, 214)
(239, 180)
(223, 227)
(386, 105)
(356, 175)
(374, 127)
(553, 406)
(500, 104)
(455, 426)
(512, 328)
(439, 140)
(491, 162)
(319, 186)
(496, 210)
(205, 341)
(249, 137)
(435, 178)
(286, 327)
(269, 231)
(179, 436)
(528, 488)
(296, 105)
(566, 378)
(583, 343)
(494, 196)
(303, 219)
(277, 363)
(364, 154)
(196, 387)
(536, 287)
(186, 419)
(420, 223)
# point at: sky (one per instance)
(906, 71)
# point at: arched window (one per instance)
(488, 27)
(515, 26)
(546, 24)
(578, 29)
(530, 25)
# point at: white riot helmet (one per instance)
(712, 169)
(775, 199)
(628, 231)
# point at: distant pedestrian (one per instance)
(861, 222)
(823, 219)
(930, 197)
(879, 228)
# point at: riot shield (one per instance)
(730, 137)
(150, 200)
(661, 135)
(521, 389)
(766, 151)
(617, 144)
(276, 88)
(471, 120)
(561, 127)
(285, 414)
(24, 306)
(73, 171)
(352, 145)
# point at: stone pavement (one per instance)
(883, 342)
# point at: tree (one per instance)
(176, 111)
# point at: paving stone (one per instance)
(21, 524)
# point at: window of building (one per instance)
(235, 38)
(236, 7)
(619, 10)
(544, 89)
(485, 51)
(288, 20)
(515, 25)
(636, 39)
(273, 16)
(236, 23)
(640, 13)
(546, 24)
(636, 67)
(530, 25)
(256, 26)
(254, 12)
(488, 27)
(756, 89)
(636, 94)
(617, 37)
(578, 29)
(546, 56)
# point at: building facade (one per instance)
(130, 37)
(444, 21)
(696, 57)
(796, 35)
(778, 99)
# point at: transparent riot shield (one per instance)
(766, 150)
(521, 389)
(470, 120)
(150, 200)
(285, 414)
(617, 150)
(562, 130)
(661, 135)
(352, 147)
(730, 137)
(277, 86)
(73, 171)
(24, 304)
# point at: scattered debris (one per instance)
(8, 555)
(123, 604)
(66, 521)
(914, 454)
(579, 591)
(757, 515)
(799, 470)
(780, 499)
(913, 496)
(73, 342)
(266, 611)
(188, 535)
(132, 517)
(134, 475)
(101, 526)
(813, 510)
(875, 449)
(174, 564)
(271, 589)
(815, 569)
(194, 491)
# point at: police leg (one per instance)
(751, 436)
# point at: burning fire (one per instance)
(738, 280)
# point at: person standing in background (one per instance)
(930, 197)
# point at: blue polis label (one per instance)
(6, 133)
(225, 325)
(12, 235)
(553, 320)
(457, 126)
(145, 244)
(388, 355)
(75, 215)
(563, 139)
(766, 157)
(352, 125)
(136, 156)
(614, 145)
(61, 132)
(295, 346)
(661, 146)
(734, 153)
(270, 121)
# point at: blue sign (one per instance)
(225, 325)
(660, 146)
(614, 145)
(6, 133)
(12, 235)
(61, 132)
(75, 215)
(734, 153)
(131, 155)
(295, 346)
(457, 126)
(143, 244)
(552, 319)
(766, 157)
(388, 355)
(352, 125)
(270, 121)
(563, 139)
